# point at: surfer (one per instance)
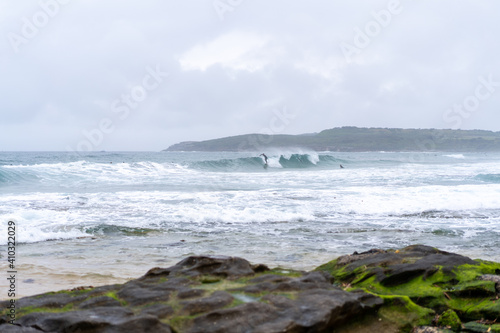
(265, 158)
(341, 166)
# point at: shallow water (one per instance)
(107, 217)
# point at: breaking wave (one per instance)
(289, 161)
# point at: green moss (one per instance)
(236, 301)
(74, 292)
(459, 291)
(329, 267)
(486, 308)
(369, 323)
(180, 323)
(477, 327)
(161, 280)
(474, 289)
(466, 273)
(209, 279)
(30, 309)
(113, 295)
(423, 292)
(174, 303)
(214, 283)
(402, 311)
(276, 271)
(281, 272)
(221, 285)
(450, 319)
(342, 273)
(483, 267)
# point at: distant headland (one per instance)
(355, 139)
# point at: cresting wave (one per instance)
(72, 173)
(287, 161)
(83, 173)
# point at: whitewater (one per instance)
(106, 217)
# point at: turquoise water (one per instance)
(106, 217)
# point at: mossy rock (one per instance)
(430, 278)
(450, 319)
(480, 328)
(405, 313)
(387, 291)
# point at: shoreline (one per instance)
(40, 274)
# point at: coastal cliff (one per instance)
(413, 289)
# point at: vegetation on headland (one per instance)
(414, 289)
(356, 139)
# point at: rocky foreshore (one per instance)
(414, 289)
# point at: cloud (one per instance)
(227, 76)
(236, 50)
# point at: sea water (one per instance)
(100, 218)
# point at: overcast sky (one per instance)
(142, 75)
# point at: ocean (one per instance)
(107, 217)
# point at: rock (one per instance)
(393, 268)
(313, 280)
(102, 320)
(260, 268)
(201, 294)
(313, 311)
(142, 324)
(403, 312)
(227, 294)
(50, 300)
(98, 320)
(217, 300)
(95, 318)
(8, 328)
(493, 278)
(135, 293)
(99, 301)
(481, 328)
(429, 329)
(190, 293)
(158, 310)
(449, 319)
(347, 259)
(227, 267)
(490, 277)
(430, 278)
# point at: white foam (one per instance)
(40, 225)
(83, 173)
(194, 200)
(459, 156)
(313, 158)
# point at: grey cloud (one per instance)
(263, 56)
